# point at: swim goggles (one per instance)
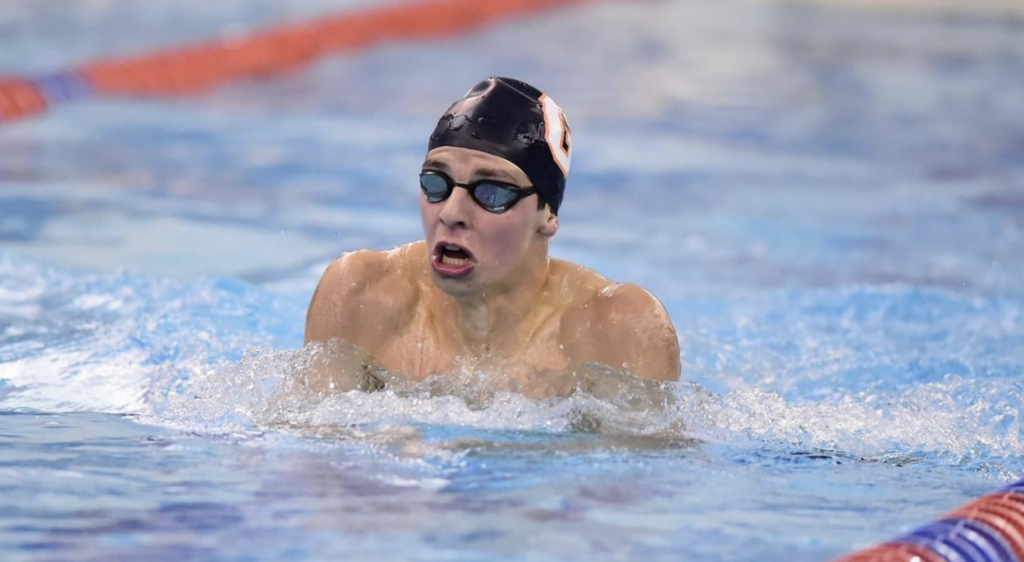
(494, 196)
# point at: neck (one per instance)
(497, 320)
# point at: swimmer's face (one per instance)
(472, 249)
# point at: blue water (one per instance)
(829, 199)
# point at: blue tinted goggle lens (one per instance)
(435, 187)
(493, 196)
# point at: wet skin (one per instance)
(501, 306)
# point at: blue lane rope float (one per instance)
(989, 529)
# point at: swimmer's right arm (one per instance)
(340, 320)
(334, 309)
(336, 366)
(361, 299)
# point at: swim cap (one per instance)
(512, 119)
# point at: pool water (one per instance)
(827, 196)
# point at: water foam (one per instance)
(974, 424)
(74, 341)
(206, 356)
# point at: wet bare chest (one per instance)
(421, 351)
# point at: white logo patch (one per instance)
(556, 133)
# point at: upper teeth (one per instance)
(453, 248)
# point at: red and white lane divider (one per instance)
(199, 67)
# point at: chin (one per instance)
(455, 287)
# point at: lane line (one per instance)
(198, 67)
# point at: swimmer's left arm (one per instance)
(627, 328)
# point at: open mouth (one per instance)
(454, 255)
(452, 260)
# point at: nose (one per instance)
(458, 209)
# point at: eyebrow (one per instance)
(435, 164)
(494, 173)
(479, 173)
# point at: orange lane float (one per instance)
(19, 98)
(199, 67)
(989, 529)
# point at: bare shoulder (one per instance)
(621, 325)
(361, 294)
(627, 301)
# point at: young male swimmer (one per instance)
(480, 292)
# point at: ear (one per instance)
(550, 226)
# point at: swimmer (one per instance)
(480, 292)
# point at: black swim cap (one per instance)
(512, 119)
